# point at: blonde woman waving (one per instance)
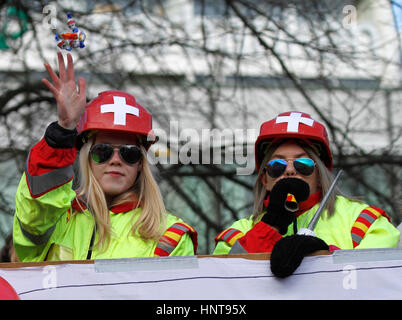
(117, 210)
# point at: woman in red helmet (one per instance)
(117, 210)
(294, 164)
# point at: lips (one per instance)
(114, 173)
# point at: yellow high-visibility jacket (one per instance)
(49, 225)
(354, 224)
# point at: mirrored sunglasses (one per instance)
(304, 166)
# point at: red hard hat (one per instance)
(115, 111)
(293, 125)
(7, 292)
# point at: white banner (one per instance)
(346, 274)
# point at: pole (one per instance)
(313, 222)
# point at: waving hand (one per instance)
(70, 102)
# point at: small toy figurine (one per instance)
(70, 40)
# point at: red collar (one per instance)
(79, 205)
(124, 207)
(312, 200)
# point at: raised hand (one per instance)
(277, 215)
(70, 102)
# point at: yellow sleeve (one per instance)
(381, 234)
(35, 219)
(227, 238)
(185, 247)
(222, 247)
(180, 239)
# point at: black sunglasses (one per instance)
(277, 167)
(101, 153)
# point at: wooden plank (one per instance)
(251, 256)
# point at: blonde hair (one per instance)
(324, 175)
(151, 222)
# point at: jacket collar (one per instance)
(79, 205)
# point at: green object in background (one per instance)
(14, 26)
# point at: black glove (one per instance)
(289, 252)
(277, 216)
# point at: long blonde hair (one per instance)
(324, 175)
(151, 222)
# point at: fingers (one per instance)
(63, 86)
(51, 87)
(81, 87)
(62, 67)
(52, 75)
(64, 76)
(70, 68)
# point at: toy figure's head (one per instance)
(71, 25)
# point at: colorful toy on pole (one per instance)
(73, 39)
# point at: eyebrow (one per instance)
(280, 156)
(111, 142)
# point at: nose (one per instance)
(290, 169)
(115, 159)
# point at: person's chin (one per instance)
(114, 190)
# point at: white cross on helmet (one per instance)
(120, 109)
(293, 121)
